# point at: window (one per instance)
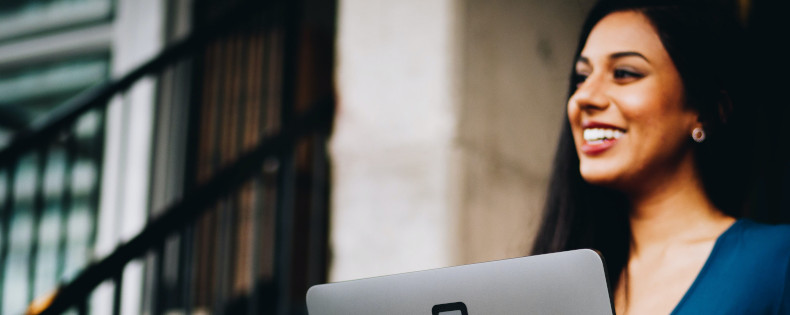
(50, 51)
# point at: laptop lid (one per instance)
(572, 282)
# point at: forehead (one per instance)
(624, 31)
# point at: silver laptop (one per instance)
(572, 282)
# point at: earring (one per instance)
(698, 134)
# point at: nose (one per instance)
(590, 95)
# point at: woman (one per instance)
(652, 165)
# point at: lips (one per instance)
(599, 137)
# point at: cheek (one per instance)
(660, 127)
(637, 103)
(640, 101)
(647, 109)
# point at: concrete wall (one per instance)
(449, 114)
(516, 58)
(392, 139)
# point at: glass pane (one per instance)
(35, 90)
(16, 284)
(79, 230)
(50, 225)
(81, 217)
(3, 189)
(19, 18)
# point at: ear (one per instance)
(696, 125)
(697, 121)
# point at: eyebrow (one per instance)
(628, 54)
(616, 55)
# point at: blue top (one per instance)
(747, 272)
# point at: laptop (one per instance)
(572, 282)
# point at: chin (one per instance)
(600, 181)
(600, 177)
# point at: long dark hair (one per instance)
(703, 40)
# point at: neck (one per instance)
(675, 211)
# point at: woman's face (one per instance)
(629, 119)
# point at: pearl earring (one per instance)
(698, 134)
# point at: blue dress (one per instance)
(747, 272)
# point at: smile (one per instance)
(598, 139)
(599, 135)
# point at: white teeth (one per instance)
(599, 134)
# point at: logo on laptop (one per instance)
(457, 308)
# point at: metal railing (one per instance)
(189, 208)
(56, 131)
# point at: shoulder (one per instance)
(762, 239)
(759, 254)
(748, 272)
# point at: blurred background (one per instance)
(220, 157)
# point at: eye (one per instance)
(579, 78)
(625, 74)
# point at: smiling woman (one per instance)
(627, 84)
(645, 171)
